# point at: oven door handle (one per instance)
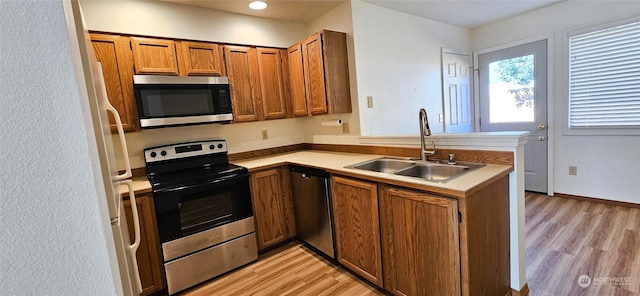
(236, 176)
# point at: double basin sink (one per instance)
(435, 171)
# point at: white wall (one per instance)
(53, 235)
(398, 64)
(607, 165)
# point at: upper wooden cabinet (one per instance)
(242, 64)
(325, 71)
(357, 231)
(199, 58)
(113, 52)
(154, 56)
(272, 206)
(420, 243)
(296, 81)
(256, 77)
(274, 103)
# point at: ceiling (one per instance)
(301, 11)
(462, 13)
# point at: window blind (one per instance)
(604, 78)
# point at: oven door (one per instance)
(188, 209)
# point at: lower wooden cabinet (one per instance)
(272, 206)
(413, 242)
(148, 255)
(420, 243)
(357, 232)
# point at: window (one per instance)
(604, 78)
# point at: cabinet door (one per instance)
(271, 84)
(272, 206)
(113, 53)
(245, 87)
(357, 232)
(296, 80)
(314, 74)
(199, 58)
(148, 255)
(420, 243)
(154, 56)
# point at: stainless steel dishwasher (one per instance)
(312, 203)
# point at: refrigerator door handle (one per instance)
(133, 248)
(116, 116)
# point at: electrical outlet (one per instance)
(265, 135)
(573, 170)
(369, 102)
(441, 118)
(346, 129)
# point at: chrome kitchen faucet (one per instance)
(425, 131)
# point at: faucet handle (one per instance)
(452, 158)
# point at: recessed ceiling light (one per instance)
(257, 5)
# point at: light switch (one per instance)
(369, 102)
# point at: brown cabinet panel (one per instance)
(336, 71)
(113, 52)
(199, 58)
(154, 56)
(241, 62)
(420, 243)
(357, 232)
(271, 85)
(296, 81)
(272, 206)
(314, 74)
(148, 254)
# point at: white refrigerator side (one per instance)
(122, 253)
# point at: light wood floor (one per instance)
(565, 239)
(290, 270)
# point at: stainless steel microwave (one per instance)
(174, 100)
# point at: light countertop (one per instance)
(335, 162)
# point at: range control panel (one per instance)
(183, 150)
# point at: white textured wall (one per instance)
(53, 242)
(398, 64)
(607, 164)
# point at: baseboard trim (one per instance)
(523, 292)
(598, 200)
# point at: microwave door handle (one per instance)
(133, 248)
(116, 116)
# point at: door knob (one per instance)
(541, 138)
(542, 127)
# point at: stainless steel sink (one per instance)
(435, 171)
(383, 165)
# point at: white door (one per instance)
(513, 97)
(456, 91)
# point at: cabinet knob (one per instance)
(541, 138)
